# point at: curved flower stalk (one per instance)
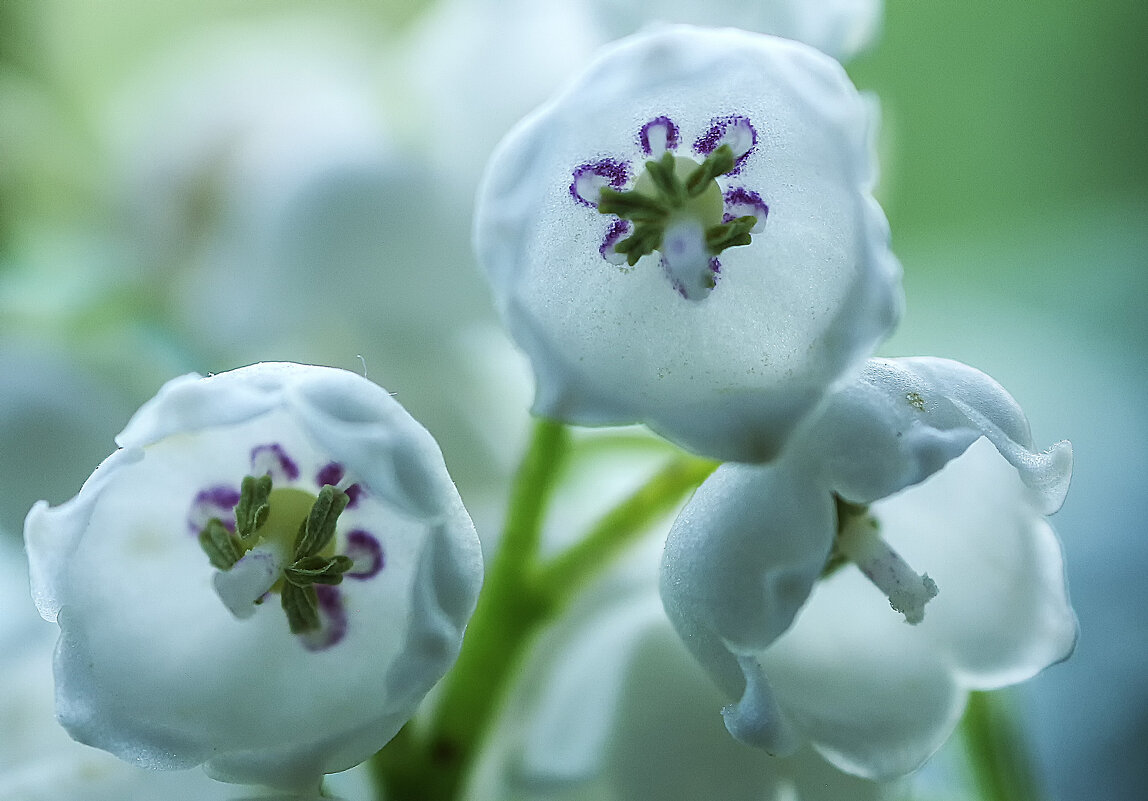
(920, 464)
(265, 578)
(685, 237)
(841, 28)
(613, 708)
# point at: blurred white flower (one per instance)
(169, 656)
(841, 28)
(725, 334)
(613, 708)
(469, 69)
(55, 415)
(265, 161)
(921, 462)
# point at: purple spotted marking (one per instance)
(367, 554)
(354, 493)
(679, 287)
(332, 473)
(659, 135)
(218, 502)
(591, 177)
(272, 460)
(618, 230)
(740, 202)
(733, 130)
(332, 620)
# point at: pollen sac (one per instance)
(686, 238)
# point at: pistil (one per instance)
(859, 541)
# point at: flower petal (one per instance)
(879, 696)
(861, 684)
(1003, 613)
(744, 553)
(740, 560)
(841, 28)
(942, 457)
(904, 419)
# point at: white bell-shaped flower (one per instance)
(265, 578)
(920, 465)
(685, 237)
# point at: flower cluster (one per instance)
(306, 483)
(685, 238)
(274, 568)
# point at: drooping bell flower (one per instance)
(896, 557)
(265, 578)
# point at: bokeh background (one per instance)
(198, 185)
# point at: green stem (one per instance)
(997, 755)
(433, 767)
(533, 485)
(519, 597)
(564, 575)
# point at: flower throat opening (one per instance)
(676, 208)
(283, 542)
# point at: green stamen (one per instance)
(302, 607)
(730, 234)
(318, 570)
(294, 522)
(252, 510)
(672, 188)
(222, 547)
(719, 162)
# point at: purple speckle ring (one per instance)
(331, 473)
(213, 502)
(272, 460)
(618, 230)
(740, 202)
(367, 554)
(733, 130)
(659, 135)
(332, 617)
(591, 177)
